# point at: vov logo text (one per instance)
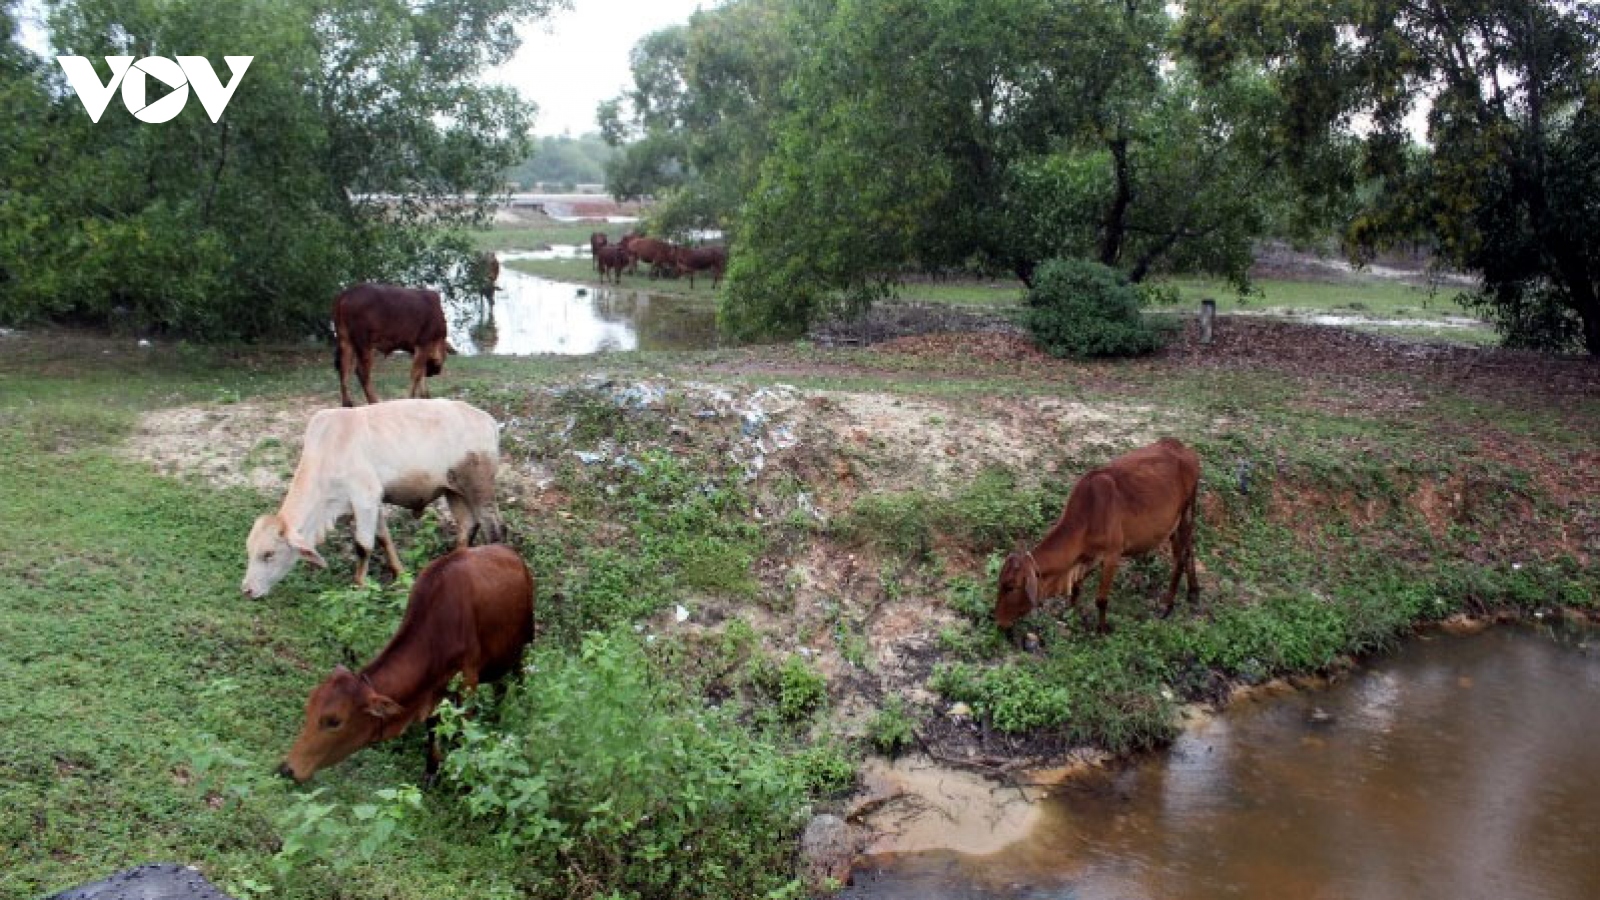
(187, 72)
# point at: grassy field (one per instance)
(760, 626)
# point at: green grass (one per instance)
(1374, 298)
(529, 236)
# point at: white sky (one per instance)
(567, 64)
(573, 60)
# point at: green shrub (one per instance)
(793, 687)
(893, 728)
(1081, 308)
(605, 780)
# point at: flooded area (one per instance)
(1460, 768)
(539, 315)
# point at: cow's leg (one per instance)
(364, 524)
(347, 361)
(388, 545)
(472, 484)
(1108, 570)
(419, 374)
(466, 522)
(364, 372)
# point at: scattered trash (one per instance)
(589, 457)
(679, 613)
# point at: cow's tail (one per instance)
(338, 357)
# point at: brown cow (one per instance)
(598, 239)
(1126, 508)
(698, 259)
(385, 318)
(614, 260)
(662, 256)
(471, 612)
(485, 273)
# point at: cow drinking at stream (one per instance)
(1129, 507)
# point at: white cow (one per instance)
(404, 452)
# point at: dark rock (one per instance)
(827, 849)
(156, 881)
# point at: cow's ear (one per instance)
(304, 548)
(449, 349)
(382, 707)
(1031, 583)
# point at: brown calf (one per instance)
(385, 318)
(471, 612)
(700, 259)
(1126, 508)
(597, 239)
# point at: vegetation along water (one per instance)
(767, 516)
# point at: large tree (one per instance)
(1504, 184)
(697, 123)
(343, 155)
(994, 134)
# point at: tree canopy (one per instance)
(1504, 184)
(358, 135)
(926, 135)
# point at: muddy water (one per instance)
(1462, 768)
(538, 315)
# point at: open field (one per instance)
(797, 545)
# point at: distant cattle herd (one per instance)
(471, 611)
(664, 258)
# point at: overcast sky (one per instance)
(567, 64)
(579, 57)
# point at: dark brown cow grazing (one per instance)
(597, 239)
(700, 259)
(471, 612)
(385, 318)
(614, 260)
(1126, 508)
(662, 256)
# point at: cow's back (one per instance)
(1145, 491)
(388, 317)
(430, 435)
(471, 609)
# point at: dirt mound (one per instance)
(990, 347)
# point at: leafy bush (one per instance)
(796, 689)
(1081, 308)
(892, 729)
(605, 780)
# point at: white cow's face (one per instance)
(272, 550)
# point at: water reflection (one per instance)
(538, 315)
(1459, 769)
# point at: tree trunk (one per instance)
(1114, 229)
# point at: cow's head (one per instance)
(1019, 589)
(271, 551)
(343, 714)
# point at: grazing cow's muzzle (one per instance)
(285, 772)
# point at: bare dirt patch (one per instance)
(252, 444)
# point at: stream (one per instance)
(1460, 767)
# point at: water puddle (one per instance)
(1460, 768)
(538, 315)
